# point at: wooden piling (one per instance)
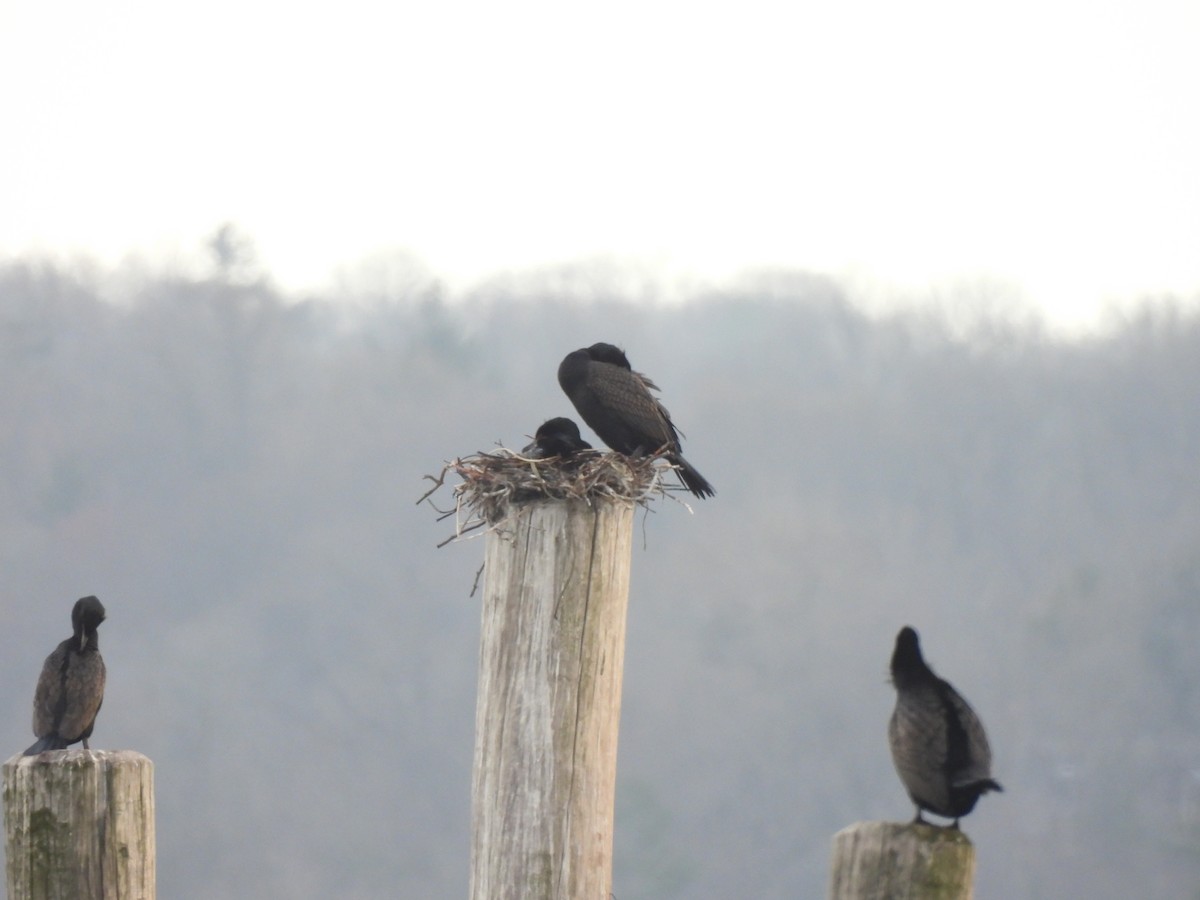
(79, 825)
(550, 666)
(893, 861)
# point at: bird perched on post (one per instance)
(556, 437)
(616, 403)
(938, 744)
(71, 687)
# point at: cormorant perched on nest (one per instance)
(938, 743)
(616, 402)
(556, 437)
(71, 687)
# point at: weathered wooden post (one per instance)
(550, 665)
(893, 861)
(79, 825)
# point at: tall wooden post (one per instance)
(887, 860)
(550, 665)
(79, 825)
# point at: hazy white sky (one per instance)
(1050, 144)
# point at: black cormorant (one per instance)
(71, 687)
(556, 437)
(938, 743)
(617, 404)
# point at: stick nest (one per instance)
(493, 482)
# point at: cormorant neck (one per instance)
(92, 637)
(909, 668)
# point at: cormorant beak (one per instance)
(82, 641)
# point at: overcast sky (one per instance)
(1052, 145)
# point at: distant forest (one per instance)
(234, 472)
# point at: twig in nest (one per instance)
(475, 586)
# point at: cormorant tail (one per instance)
(988, 784)
(49, 742)
(692, 480)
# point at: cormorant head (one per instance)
(607, 353)
(556, 437)
(86, 616)
(907, 662)
(561, 426)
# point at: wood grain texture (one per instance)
(552, 652)
(79, 825)
(890, 861)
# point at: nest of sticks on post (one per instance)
(493, 482)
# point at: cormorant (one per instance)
(71, 687)
(938, 744)
(616, 402)
(556, 437)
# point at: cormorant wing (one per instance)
(48, 695)
(626, 395)
(970, 757)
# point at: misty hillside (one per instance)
(235, 474)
